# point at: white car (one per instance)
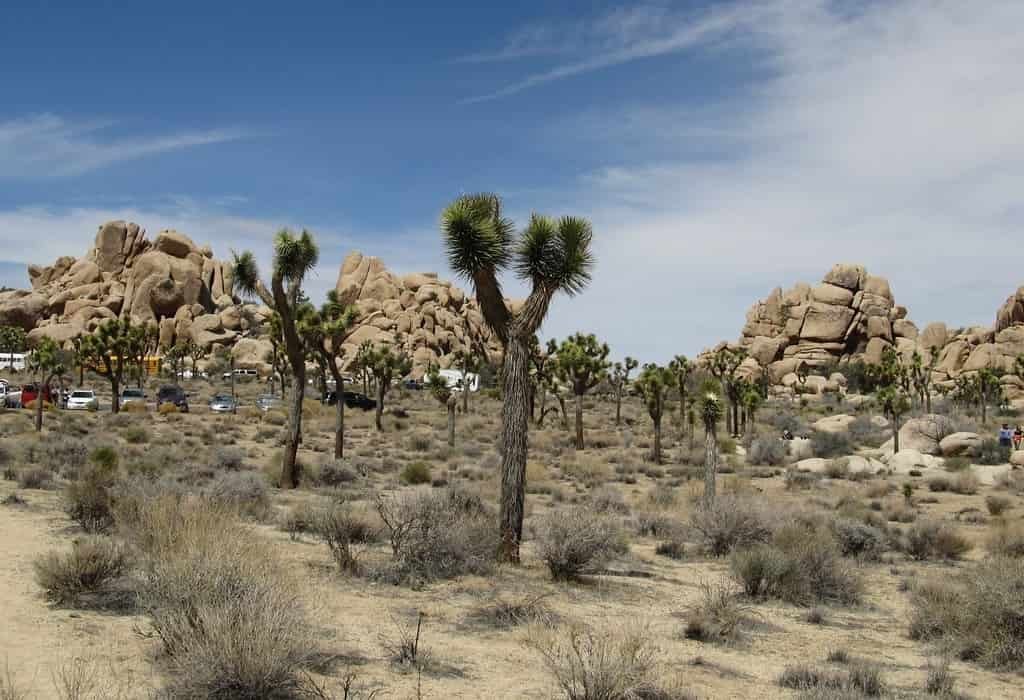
(83, 400)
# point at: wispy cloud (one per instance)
(47, 145)
(613, 39)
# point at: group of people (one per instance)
(1012, 438)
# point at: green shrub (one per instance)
(939, 484)
(136, 435)
(997, 505)
(104, 457)
(771, 452)
(92, 564)
(415, 473)
(577, 540)
(991, 452)
(829, 445)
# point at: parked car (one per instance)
(413, 384)
(241, 374)
(267, 402)
(10, 395)
(132, 395)
(83, 400)
(223, 403)
(353, 399)
(29, 392)
(174, 395)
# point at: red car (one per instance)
(29, 392)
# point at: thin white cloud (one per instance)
(47, 145)
(888, 137)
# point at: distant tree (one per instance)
(467, 362)
(711, 412)
(12, 340)
(552, 255)
(144, 342)
(724, 365)
(276, 357)
(619, 381)
(989, 390)
(79, 356)
(111, 347)
(654, 384)
(439, 389)
(582, 362)
(751, 398)
(542, 376)
(326, 332)
(890, 379)
(294, 257)
(681, 368)
(386, 366)
(197, 353)
(45, 363)
(174, 356)
(920, 373)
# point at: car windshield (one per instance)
(169, 391)
(221, 397)
(134, 393)
(81, 394)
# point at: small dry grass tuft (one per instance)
(577, 540)
(93, 563)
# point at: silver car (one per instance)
(223, 403)
(83, 400)
(267, 402)
(132, 395)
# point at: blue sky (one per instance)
(719, 148)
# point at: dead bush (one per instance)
(718, 616)
(978, 615)
(930, 539)
(245, 491)
(730, 522)
(340, 527)
(997, 505)
(578, 540)
(93, 563)
(35, 478)
(1006, 539)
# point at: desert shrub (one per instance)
(863, 431)
(340, 527)
(829, 445)
(578, 539)
(274, 418)
(857, 539)
(717, 617)
(92, 564)
(299, 519)
(415, 473)
(168, 409)
(87, 499)
(771, 452)
(335, 473)
(223, 607)
(726, 445)
(838, 468)
(799, 566)
(504, 613)
(965, 483)
(978, 615)
(64, 454)
(939, 680)
(673, 549)
(786, 420)
(608, 499)
(997, 505)
(859, 680)
(930, 539)
(420, 442)
(662, 496)
(939, 484)
(438, 535)
(587, 664)
(34, 478)
(879, 489)
(804, 677)
(136, 435)
(730, 522)
(956, 464)
(1007, 539)
(991, 452)
(797, 480)
(229, 459)
(245, 491)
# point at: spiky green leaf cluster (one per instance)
(582, 361)
(654, 383)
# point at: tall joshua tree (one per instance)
(385, 365)
(889, 377)
(724, 365)
(582, 362)
(711, 413)
(326, 332)
(681, 368)
(552, 256)
(466, 362)
(294, 256)
(112, 346)
(619, 380)
(45, 362)
(440, 390)
(654, 384)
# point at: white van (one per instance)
(454, 379)
(16, 359)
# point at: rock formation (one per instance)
(188, 294)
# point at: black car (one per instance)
(172, 394)
(353, 399)
(412, 384)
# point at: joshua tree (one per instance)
(294, 257)
(276, 357)
(112, 346)
(145, 342)
(751, 398)
(619, 379)
(386, 366)
(988, 390)
(542, 366)
(12, 340)
(45, 362)
(654, 384)
(711, 413)
(196, 353)
(552, 255)
(724, 366)
(467, 362)
(439, 389)
(581, 362)
(175, 356)
(890, 393)
(681, 368)
(326, 332)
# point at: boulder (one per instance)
(799, 449)
(826, 322)
(831, 294)
(414, 281)
(934, 335)
(231, 318)
(61, 333)
(838, 423)
(923, 434)
(1017, 458)
(907, 460)
(875, 348)
(24, 311)
(113, 244)
(175, 244)
(879, 327)
(956, 444)
(848, 276)
(816, 465)
(905, 329)
(252, 353)
(84, 271)
(1012, 310)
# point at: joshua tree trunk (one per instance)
(656, 450)
(378, 419)
(543, 402)
(565, 415)
(290, 468)
(736, 418)
(618, 406)
(515, 424)
(339, 417)
(710, 465)
(579, 421)
(39, 407)
(896, 433)
(452, 403)
(465, 393)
